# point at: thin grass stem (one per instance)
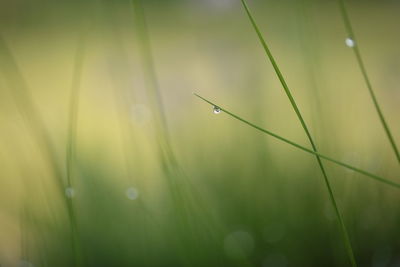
(166, 153)
(35, 124)
(345, 235)
(72, 134)
(184, 195)
(360, 62)
(74, 104)
(28, 110)
(348, 166)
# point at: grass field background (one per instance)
(201, 189)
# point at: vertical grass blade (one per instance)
(345, 235)
(187, 202)
(74, 105)
(360, 62)
(151, 79)
(34, 121)
(166, 154)
(72, 134)
(23, 225)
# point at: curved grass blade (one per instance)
(360, 62)
(345, 235)
(166, 153)
(348, 166)
(34, 121)
(30, 113)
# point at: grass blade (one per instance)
(151, 80)
(74, 104)
(166, 153)
(72, 133)
(348, 166)
(346, 238)
(360, 62)
(191, 212)
(30, 113)
(34, 121)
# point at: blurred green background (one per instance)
(201, 189)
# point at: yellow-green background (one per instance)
(239, 183)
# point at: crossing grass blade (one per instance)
(345, 235)
(340, 163)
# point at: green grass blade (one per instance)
(34, 121)
(74, 104)
(71, 138)
(360, 62)
(346, 238)
(348, 166)
(166, 153)
(30, 113)
(187, 202)
(151, 80)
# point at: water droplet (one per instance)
(350, 42)
(132, 193)
(69, 192)
(216, 110)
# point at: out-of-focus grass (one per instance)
(266, 198)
